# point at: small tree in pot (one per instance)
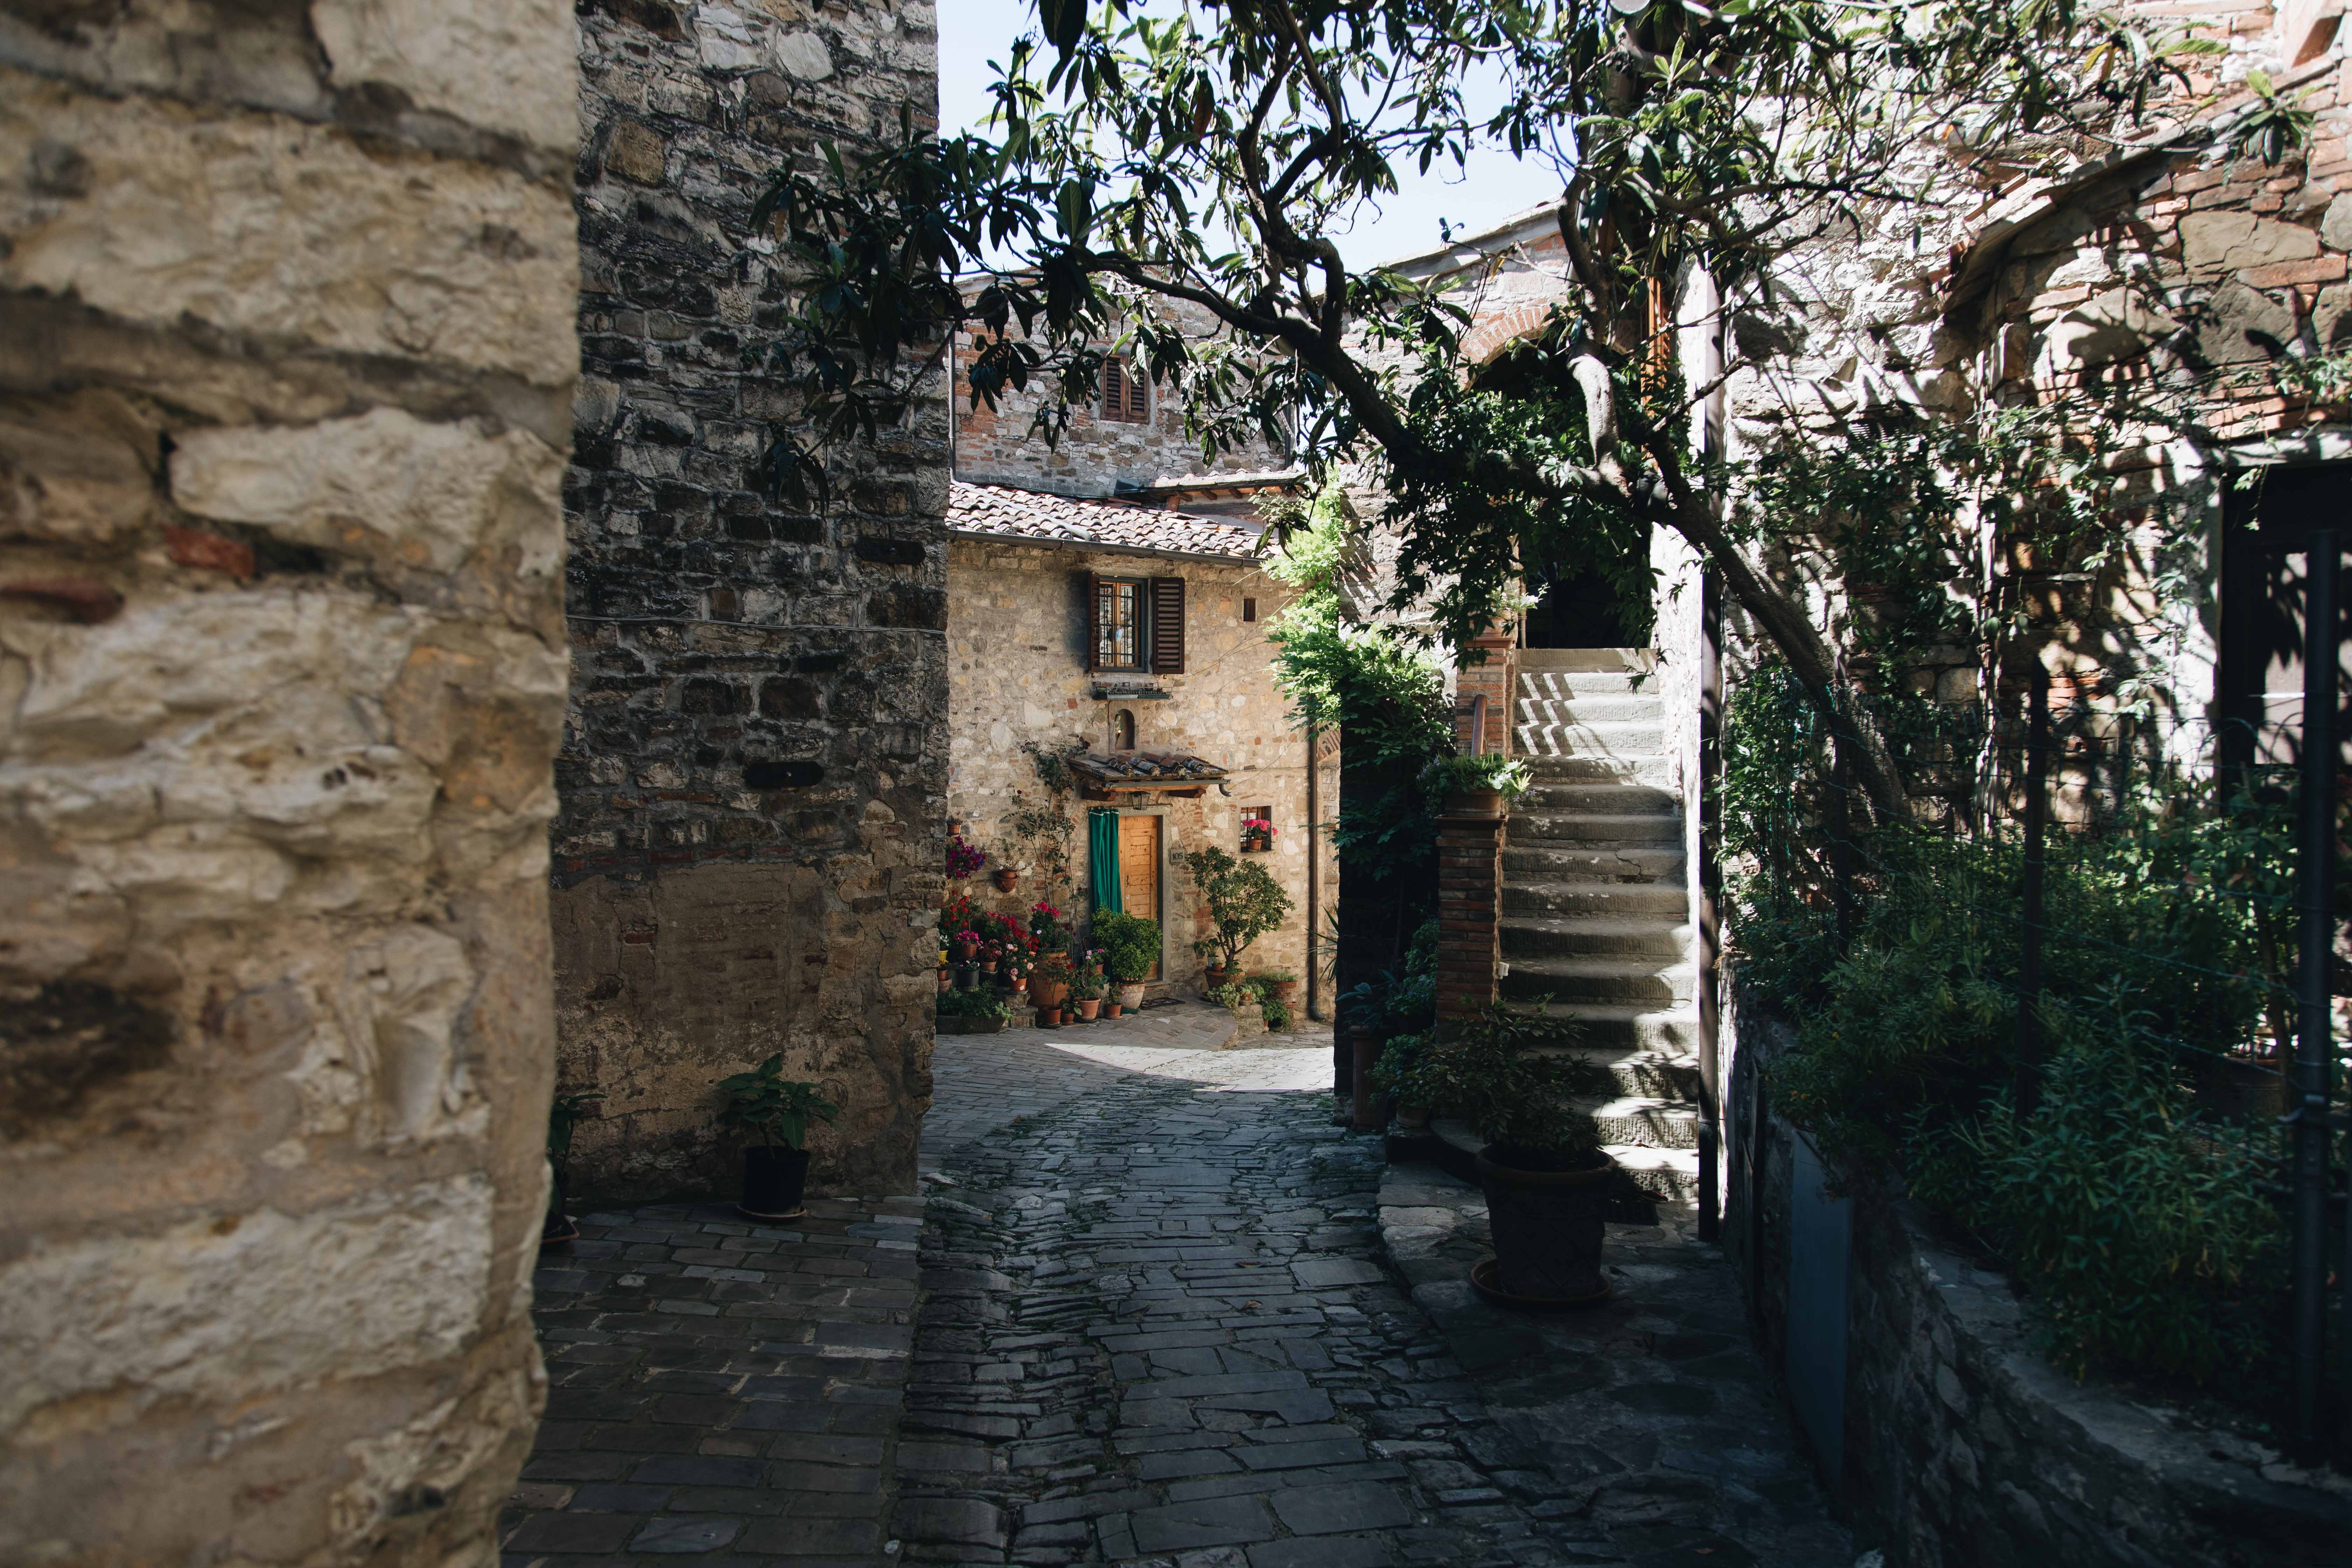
(1244, 903)
(1546, 1176)
(776, 1112)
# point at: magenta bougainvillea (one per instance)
(963, 859)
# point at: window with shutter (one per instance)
(1125, 396)
(1168, 625)
(1118, 623)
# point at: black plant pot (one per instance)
(1547, 1229)
(559, 1226)
(773, 1176)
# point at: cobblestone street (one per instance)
(1158, 1324)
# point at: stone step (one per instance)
(1638, 1070)
(1631, 742)
(1616, 982)
(1544, 767)
(1661, 1175)
(1647, 1121)
(1667, 1034)
(1555, 900)
(1552, 827)
(1604, 796)
(1562, 685)
(1608, 659)
(1636, 864)
(1598, 936)
(1580, 709)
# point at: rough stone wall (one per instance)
(1017, 673)
(1094, 456)
(285, 370)
(752, 836)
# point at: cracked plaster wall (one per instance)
(286, 365)
(752, 843)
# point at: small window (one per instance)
(1257, 829)
(1249, 609)
(1122, 729)
(1125, 396)
(1120, 625)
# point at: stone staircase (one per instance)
(1595, 907)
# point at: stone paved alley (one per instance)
(1157, 1325)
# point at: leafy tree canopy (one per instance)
(1208, 158)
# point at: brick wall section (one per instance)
(1469, 888)
(751, 835)
(285, 367)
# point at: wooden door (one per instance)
(1138, 869)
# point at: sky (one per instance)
(1491, 188)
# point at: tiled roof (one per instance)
(998, 511)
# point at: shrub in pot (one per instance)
(563, 1114)
(1130, 946)
(1546, 1176)
(1049, 982)
(771, 1108)
(1244, 903)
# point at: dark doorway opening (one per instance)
(1580, 605)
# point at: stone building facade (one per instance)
(1129, 440)
(286, 376)
(752, 834)
(1018, 565)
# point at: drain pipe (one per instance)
(1314, 873)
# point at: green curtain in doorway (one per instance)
(1102, 855)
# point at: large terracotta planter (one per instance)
(1049, 993)
(1475, 803)
(1089, 1008)
(1131, 996)
(1548, 1227)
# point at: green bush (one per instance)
(2145, 1241)
(1129, 943)
(1496, 1073)
(980, 1006)
(766, 1105)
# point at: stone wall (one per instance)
(1017, 674)
(751, 840)
(1963, 1446)
(286, 371)
(1095, 456)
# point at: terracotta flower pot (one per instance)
(964, 950)
(1214, 975)
(1548, 1226)
(944, 980)
(1089, 1008)
(1006, 878)
(1475, 803)
(1110, 1010)
(1049, 1018)
(1049, 993)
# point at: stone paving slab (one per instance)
(1650, 1416)
(720, 1389)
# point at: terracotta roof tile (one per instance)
(998, 511)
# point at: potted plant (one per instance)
(1087, 984)
(1049, 987)
(1048, 931)
(1475, 786)
(963, 858)
(973, 1012)
(1281, 986)
(775, 1111)
(1546, 1176)
(563, 1114)
(1244, 903)
(1257, 835)
(1006, 878)
(1130, 946)
(967, 944)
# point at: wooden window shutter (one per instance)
(1138, 401)
(1114, 391)
(1094, 621)
(1168, 625)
